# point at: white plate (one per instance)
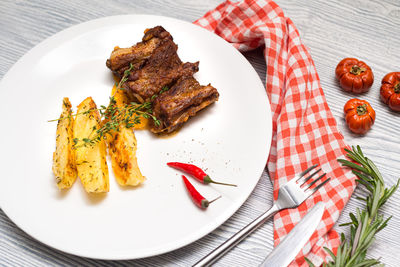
(230, 139)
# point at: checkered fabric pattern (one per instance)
(304, 130)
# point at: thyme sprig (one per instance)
(164, 89)
(364, 224)
(114, 116)
(124, 78)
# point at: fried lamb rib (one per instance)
(175, 106)
(156, 64)
(121, 58)
(162, 68)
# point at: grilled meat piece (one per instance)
(156, 64)
(161, 69)
(183, 100)
(121, 57)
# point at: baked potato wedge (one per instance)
(90, 157)
(64, 166)
(122, 150)
(120, 96)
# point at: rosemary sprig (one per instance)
(364, 224)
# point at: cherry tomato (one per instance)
(360, 116)
(390, 90)
(354, 75)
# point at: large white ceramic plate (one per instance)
(230, 139)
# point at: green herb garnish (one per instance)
(128, 115)
(365, 224)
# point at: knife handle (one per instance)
(235, 239)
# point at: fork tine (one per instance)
(318, 187)
(306, 171)
(316, 180)
(304, 180)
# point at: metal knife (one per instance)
(283, 254)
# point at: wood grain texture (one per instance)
(334, 29)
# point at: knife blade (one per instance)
(283, 254)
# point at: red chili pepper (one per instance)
(197, 198)
(196, 172)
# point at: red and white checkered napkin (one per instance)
(304, 130)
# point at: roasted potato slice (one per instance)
(122, 150)
(90, 158)
(120, 96)
(64, 167)
(121, 99)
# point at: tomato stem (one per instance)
(397, 88)
(362, 109)
(356, 70)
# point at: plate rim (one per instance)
(78, 29)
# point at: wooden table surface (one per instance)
(369, 30)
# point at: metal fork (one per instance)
(291, 195)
